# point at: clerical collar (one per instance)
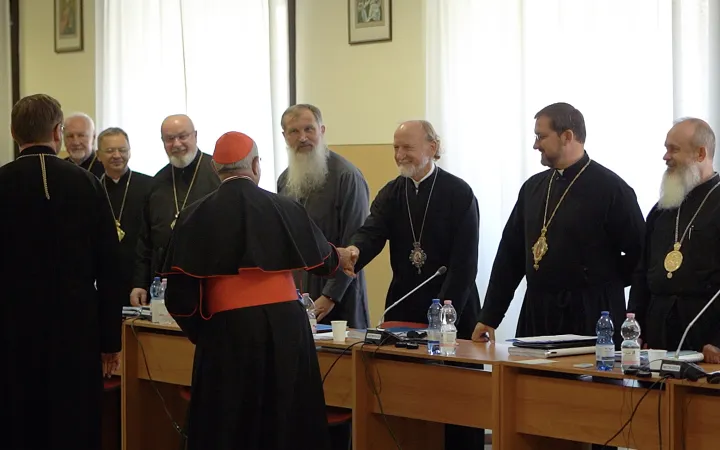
(237, 177)
(38, 149)
(570, 172)
(427, 175)
(122, 177)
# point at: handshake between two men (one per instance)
(348, 258)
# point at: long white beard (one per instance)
(182, 161)
(677, 184)
(307, 172)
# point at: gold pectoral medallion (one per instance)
(673, 260)
(417, 256)
(539, 249)
(120, 232)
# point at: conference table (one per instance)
(402, 398)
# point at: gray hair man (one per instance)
(337, 197)
(679, 269)
(79, 137)
(188, 177)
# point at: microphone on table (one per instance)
(674, 367)
(379, 336)
(440, 271)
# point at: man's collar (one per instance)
(571, 171)
(703, 188)
(427, 175)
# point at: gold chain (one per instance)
(546, 223)
(43, 169)
(540, 247)
(187, 195)
(122, 205)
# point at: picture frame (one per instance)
(68, 26)
(369, 21)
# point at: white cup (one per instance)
(338, 330)
(655, 359)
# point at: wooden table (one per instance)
(146, 418)
(527, 405)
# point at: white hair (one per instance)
(677, 183)
(243, 164)
(84, 116)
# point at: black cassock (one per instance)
(339, 208)
(256, 381)
(60, 304)
(665, 306)
(594, 243)
(159, 212)
(92, 164)
(128, 209)
(449, 238)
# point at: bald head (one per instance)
(177, 120)
(180, 139)
(698, 134)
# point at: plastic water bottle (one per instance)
(448, 332)
(156, 289)
(433, 331)
(299, 295)
(604, 347)
(310, 308)
(630, 346)
(157, 302)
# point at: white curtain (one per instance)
(630, 67)
(6, 142)
(224, 63)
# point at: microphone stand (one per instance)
(675, 367)
(439, 272)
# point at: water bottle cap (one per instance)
(157, 278)
(605, 313)
(448, 302)
(630, 315)
(436, 300)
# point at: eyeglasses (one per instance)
(183, 137)
(122, 150)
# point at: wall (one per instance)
(6, 147)
(364, 92)
(69, 77)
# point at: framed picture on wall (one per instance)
(68, 26)
(369, 21)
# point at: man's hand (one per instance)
(711, 354)
(323, 306)
(110, 363)
(138, 297)
(483, 333)
(348, 259)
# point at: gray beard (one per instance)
(677, 184)
(183, 161)
(307, 172)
